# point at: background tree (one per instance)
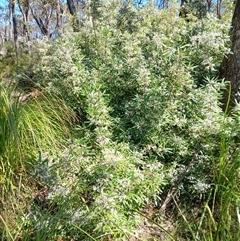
(25, 11)
(42, 13)
(230, 67)
(199, 8)
(71, 7)
(59, 12)
(219, 3)
(38, 18)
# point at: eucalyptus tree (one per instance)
(230, 68)
(198, 7)
(6, 31)
(24, 8)
(37, 17)
(218, 8)
(71, 6)
(12, 6)
(80, 8)
(59, 16)
(47, 15)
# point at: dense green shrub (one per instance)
(143, 83)
(93, 193)
(147, 72)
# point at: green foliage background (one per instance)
(143, 83)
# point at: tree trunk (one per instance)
(24, 9)
(219, 3)
(15, 31)
(59, 13)
(43, 27)
(72, 10)
(230, 67)
(166, 4)
(71, 7)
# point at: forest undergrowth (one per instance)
(115, 131)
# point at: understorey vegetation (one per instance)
(115, 131)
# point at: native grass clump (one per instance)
(29, 125)
(150, 128)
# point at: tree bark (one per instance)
(59, 13)
(43, 27)
(219, 3)
(24, 9)
(230, 67)
(15, 31)
(72, 10)
(71, 7)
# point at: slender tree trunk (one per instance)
(72, 10)
(2, 39)
(219, 3)
(166, 4)
(71, 7)
(15, 31)
(43, 27)
(24, 9)
(59, 17)
(230, 67)
(8, 33)
(90, 12)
